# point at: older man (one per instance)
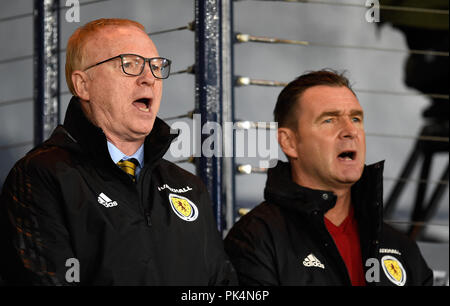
(96, 203)
(321, 223)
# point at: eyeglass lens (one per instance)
(134, 65)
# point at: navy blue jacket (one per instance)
(67, 199)
(284, 241)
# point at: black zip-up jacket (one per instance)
(67, 199)
(284, 240)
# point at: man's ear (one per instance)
(288, 141)
(80, 81)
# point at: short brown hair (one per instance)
(75, 52)
(284, 111)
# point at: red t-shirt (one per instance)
(346, 238)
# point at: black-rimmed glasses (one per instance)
(133, 64)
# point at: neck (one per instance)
(340, 211)
(126, 147)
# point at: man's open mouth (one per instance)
(347, 155)
(142, 104)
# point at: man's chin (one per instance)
(137, 134)
(143, 128)
(350, 178)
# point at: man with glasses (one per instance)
(96, 204)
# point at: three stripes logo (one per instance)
(312, 261)
(105, 201)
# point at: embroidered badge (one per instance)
(394, 270)
(183, 207)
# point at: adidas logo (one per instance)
(312, 261)
(105, 201)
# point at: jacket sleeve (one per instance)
(423, 274)
(250, 249)
(35, 241)
(221, 270)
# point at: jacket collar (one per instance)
(88, 139)
(283, 191)
(367, 201)
(366, 193)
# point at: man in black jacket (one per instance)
(96, 204)
(321, 222)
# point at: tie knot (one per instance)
(129, 167)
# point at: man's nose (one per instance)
(147, 77)
(349, 129)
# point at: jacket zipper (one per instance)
(329, 244)
(148, 218)
(146, 213)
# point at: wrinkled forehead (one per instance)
(318, 99)
(114, 40)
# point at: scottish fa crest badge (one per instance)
(183, 207)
